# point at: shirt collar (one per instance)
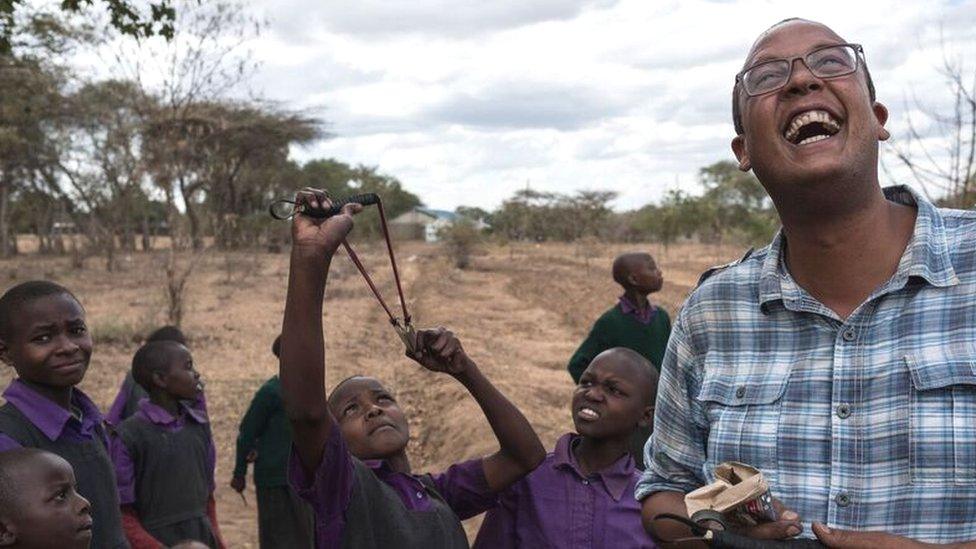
(615, 478)
(160, 416)
(628, 307)
(47, 416)
(926, 256)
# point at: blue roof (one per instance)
(439, 214)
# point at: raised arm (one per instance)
(521, 451)
(302, 366)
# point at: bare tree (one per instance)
(944, 167)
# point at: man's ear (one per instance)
(881, 113)
(647, 418)
(741, 152)
(8, 536)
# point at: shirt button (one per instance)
(843, 411)
(740, 391)
(586, 482)
(420, 495)
(842, 499)
(849, 334)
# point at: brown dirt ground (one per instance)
(520, 311)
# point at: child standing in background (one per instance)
(634, 322)
(127, 401)
(164, 454)
(284, 519)
(44, 337)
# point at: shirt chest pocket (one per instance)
(743, 414)
(942, 418)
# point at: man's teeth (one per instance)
(588, 413)
(822, 117)
(813, 139)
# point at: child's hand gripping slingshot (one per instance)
(316, 204)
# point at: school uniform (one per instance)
(284, 519)
(29, 419)
(126, 402)
(365, 504)
(557, 506)
(165, 470)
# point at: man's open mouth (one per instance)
(811, 126)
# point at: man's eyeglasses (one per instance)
(826, 62)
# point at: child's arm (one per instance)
(302, 366)
(253, 424)
(521, 451)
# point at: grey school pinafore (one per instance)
(171, 479)
(93, 472)
(377, 518)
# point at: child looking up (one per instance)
(44, 338)
(634, 323)
(284, 519)
(583, 493)
(164, 454)
(127, 401)
(350, 458)
(39, 507)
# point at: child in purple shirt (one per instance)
(44, 337)
(349, 452)
(164, 454)
(583, 493)
(131, 393)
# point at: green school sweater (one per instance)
(265, 428)
(617, 329)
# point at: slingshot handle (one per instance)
(366, 199)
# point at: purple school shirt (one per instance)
(54, 421)
(124, 468)
(114, 415)
(628, 307)
(329, 489)
(556, 506)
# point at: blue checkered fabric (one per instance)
(867, 423)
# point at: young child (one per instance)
(44, 338)
(634, 323)
(39, 507)
(127, 401)
(284, 519)
(349, 458)
(164, 454)
(583, 493)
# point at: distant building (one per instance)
(425, 223)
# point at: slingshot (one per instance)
(285, 209)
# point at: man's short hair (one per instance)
(154, 357)
(736, 94)
(623, 265)
(15, 298)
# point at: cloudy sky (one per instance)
(466, 101)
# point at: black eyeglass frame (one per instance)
(858, 59)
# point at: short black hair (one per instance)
(737, 111)
(155, 357)
(16, 297)
(276, 347)
(646, 370)
(167, 333)
(624, 264)
(9, 462)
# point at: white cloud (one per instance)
(466, 101)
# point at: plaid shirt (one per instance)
(867, 423)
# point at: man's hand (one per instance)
(320, 235)
(238, 484)
(439, 350)
(786, 527)
(836, 538)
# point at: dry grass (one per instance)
(519, 310)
